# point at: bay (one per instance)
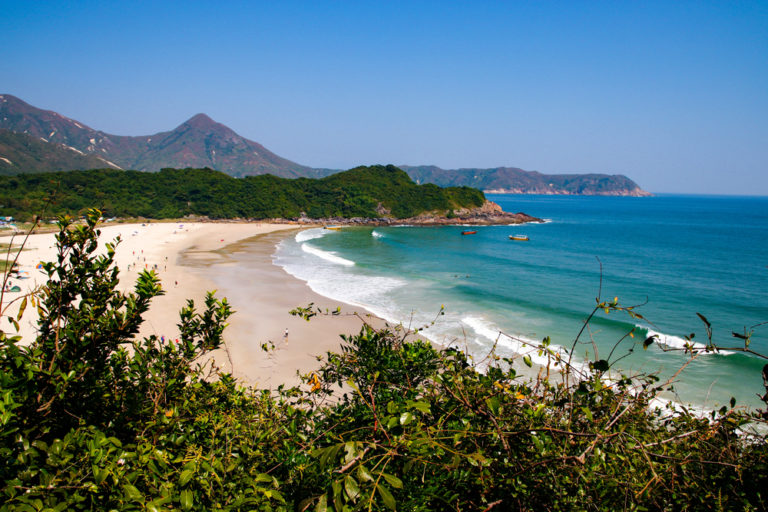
(672, 256)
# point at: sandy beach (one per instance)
(192, 258)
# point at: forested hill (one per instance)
(371, 192)
(512, 180)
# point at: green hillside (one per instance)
(370, 192)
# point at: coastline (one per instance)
(193, 258)
(262, 294)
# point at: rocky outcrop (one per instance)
(488, 214)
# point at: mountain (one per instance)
(201, 142)
(22, 153)
(512, 180)
(198, 142)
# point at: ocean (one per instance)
(672, 256)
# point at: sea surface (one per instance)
(673, 256)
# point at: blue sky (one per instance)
(672, 94)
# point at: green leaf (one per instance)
(263, 478)
(527, 361)
(421, 406)
(350, 449)
(322, 504)
(22, 307)
(493, 404)
(351, 488)
(132, 493)
(186, 499)
(386, 496)
(406, 418)
(363, 474)
(601, 365)
(185, 477)
(393, 481)
(99, 474)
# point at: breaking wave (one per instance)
(518, 345)
(310, 234)
(327, 256)
(676, 342)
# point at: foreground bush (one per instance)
(93, 419)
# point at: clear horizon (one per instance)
(672, 95)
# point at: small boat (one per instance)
(469, 232)
(335, 228)
(519, 238)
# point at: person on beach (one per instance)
(285, 336)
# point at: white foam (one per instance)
(678, 343)
(309, 234)
(376, 234)
(519, 345)
(327, 256)
(336, 281)
(677, 408)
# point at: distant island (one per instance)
(364, 195)
(34, 140)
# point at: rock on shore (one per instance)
(488, 214)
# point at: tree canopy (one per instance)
(175, 193)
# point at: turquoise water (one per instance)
(675, 255)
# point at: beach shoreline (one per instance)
(193, 258)
(266, 346)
